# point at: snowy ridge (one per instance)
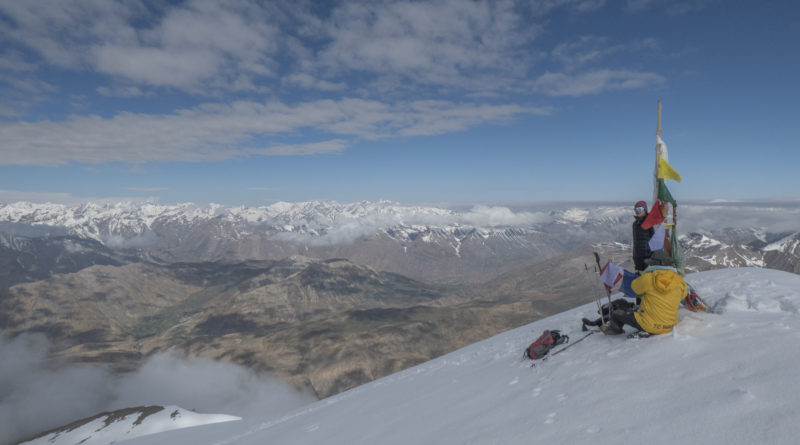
(722, 378)
(127, 424)
(788, 243)
(705, 242)
(314, 218)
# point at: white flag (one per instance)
(657, 241)
(611, 274)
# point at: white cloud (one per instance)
(11, 60)
(346, 227)
(671, 7)
(206, 47)
(594, 82)
(62, 32)
(449, 43)
(37, 394)
(120, 91)
(775, 217)
(588, 50)
(215, 132)
(310, 82)
(326, 147)
(196, 45)
(489, 216)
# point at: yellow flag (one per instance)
(665, 171)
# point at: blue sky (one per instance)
(459, 102)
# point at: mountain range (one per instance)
(430, 244)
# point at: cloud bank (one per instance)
(37, 394)
(218, 132)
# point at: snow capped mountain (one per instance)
(439, 245)
(789, 243)
(427, 243)
(719, 378)
(127, 424)
(315, 218)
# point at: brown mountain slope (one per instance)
(327, 325)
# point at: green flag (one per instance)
(663, 193)
(677, 253)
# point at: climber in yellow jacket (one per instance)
(662, 291)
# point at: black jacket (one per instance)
(640, 239)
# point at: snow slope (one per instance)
(723, 378)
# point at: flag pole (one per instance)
(664, 206)
(658, 127)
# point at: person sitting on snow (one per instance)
(662, 291)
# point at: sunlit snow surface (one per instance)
(724, 378)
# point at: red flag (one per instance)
(654, 217)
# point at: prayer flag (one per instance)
(627, 279)
(657, 241)
(654, 217)
(663, 193)
(611, 274)
(665, 171)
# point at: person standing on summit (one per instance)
(641, 237)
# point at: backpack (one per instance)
(545, 343)
(694, 303)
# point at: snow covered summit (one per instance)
(126, 424)
(723, 378)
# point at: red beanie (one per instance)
(641, 204)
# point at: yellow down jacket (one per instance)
(662, 291)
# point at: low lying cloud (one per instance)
(146, 239)
(486, 216)
(37, 393)
(346, 228)
(775, 217)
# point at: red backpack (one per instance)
(694, 303)
(544, 344)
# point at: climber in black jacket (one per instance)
(641, 237)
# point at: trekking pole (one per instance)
(572, 344)
(598, 296)
(595, 294)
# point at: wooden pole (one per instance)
(664, 206)
(658, 127)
